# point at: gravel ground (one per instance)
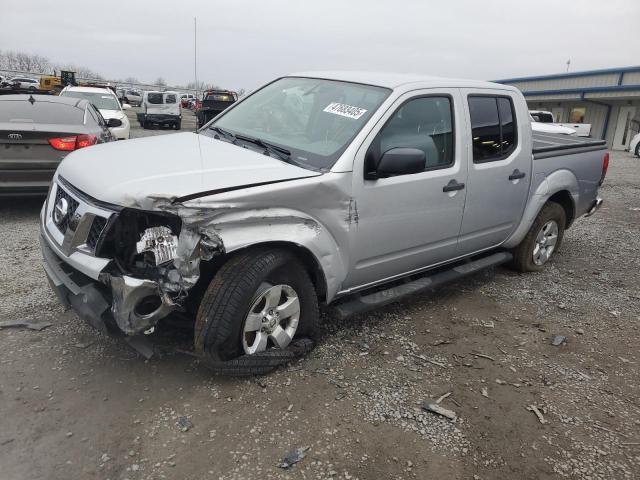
(78, 405)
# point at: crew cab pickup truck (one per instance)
(342, 189)
(214, 102)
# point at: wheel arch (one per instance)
(566, 201)
(560, 187)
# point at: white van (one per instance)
(162, 108)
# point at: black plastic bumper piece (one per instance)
(75, 290)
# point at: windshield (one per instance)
(315, 119)
(102, 101)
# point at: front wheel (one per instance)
(259, 311)
(542, 241)
(638, 150)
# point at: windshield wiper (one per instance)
(224, 133)
(280, 152)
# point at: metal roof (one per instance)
(585, 73)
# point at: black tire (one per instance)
(523, 253)
(176, 125)
(638, 150)
(143, 124)
(225, 304)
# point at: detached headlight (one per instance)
(161, 242)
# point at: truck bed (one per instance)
(553, 145)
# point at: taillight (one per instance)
(86, 141)
(605, 167)
(63, 143)
(68, 144)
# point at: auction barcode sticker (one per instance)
(345, 110)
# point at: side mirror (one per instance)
(401, 161)
(114, 122)
(126, 106)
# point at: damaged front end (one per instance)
(156, 261)
(120, 269)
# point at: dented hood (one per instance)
(128, 172)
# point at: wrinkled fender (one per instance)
(547, 186)
(249, 228)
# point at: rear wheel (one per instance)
(259, 311)
(542, 241)
(638, 150)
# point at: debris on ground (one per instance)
(437, 409)
(442, 397)
(184, 423)
(293, 457)
(485, 392)
(538, 413)
(558, 340)
(24, 324)
(142, 345)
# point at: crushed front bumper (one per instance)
(112, 308)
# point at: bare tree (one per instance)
(161, 82)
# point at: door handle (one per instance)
(452, 186)
(517, 175)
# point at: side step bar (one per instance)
(362, 302)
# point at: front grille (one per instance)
(73, 204)
(96, 230)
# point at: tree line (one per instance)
(33, 63)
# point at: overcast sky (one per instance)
(245, 43)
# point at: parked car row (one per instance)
(27, 83)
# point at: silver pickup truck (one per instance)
(349, 189)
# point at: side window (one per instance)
(425, 123)
(493, 127)
(170, 98)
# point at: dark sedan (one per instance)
(37, 132)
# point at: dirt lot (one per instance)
(78, 405)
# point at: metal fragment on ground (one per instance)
(293, 457)
(437, 409)
(184, 423)
(24, 324)
(558, 340)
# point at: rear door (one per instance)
(408, 222)
(500, 170)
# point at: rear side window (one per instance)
(155, 98)
(170, 98)
(493, 127)
(22, 111)
(425, 123)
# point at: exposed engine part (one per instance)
(159, 241)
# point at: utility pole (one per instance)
(195, 52)
(568, 65)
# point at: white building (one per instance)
(607, 99)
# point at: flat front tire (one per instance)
(259, 311)
(542, 241)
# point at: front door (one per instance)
(500, 173)
(408, 222)
(622, 136)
